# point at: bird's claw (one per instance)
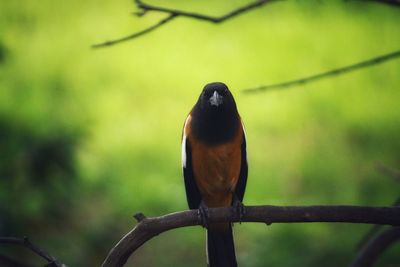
(203, 215)
(238, 210)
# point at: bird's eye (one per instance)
(207, 95)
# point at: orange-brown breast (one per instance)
(216, 168)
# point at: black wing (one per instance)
(192, 191)
(241, 185)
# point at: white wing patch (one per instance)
(184, 151)
(184, 157)
(245, 138)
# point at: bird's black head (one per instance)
(216, 97)
(215, 116)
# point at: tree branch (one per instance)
(173, 13)
(330, 73)
(373, 249)
(147, 228)
(395, 3)
(199, 16)
(373, 230)
(52, 261)
(136, 34)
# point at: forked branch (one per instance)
(373, 249)
(174, 13)
(147, 228)
(230, 14)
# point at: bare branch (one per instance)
(373, 230)
(199, 16)
(136, 34)
(147, 228)
(388, 2)
(372, 250)
(393, 173)
(330, 73)
(173, 13)
(52, 261)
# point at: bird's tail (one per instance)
(220, 246)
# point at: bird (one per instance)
(215, 168)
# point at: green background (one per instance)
(90, 137)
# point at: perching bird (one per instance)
(215, 166)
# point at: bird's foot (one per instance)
(203, 214)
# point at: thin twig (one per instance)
(388, 2)
(147, 228)
(53, 262)
(373, 230)
(334, 72)
(199, 16)
(173, 13)
(373, 249)
(136, 34)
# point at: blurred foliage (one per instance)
(39, 168)
(89, 137)
(2, 53)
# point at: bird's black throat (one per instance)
(215, 125)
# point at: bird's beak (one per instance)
(216, 99)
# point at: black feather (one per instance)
(241, 184)
(192, 191)
(221, 248)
